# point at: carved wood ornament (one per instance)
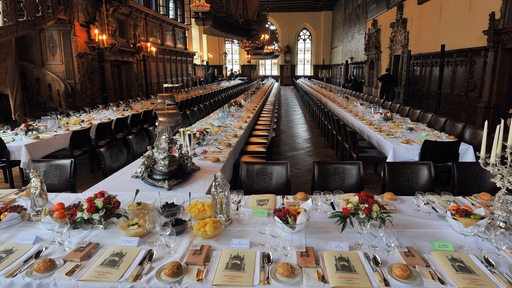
(399, 46)
(372, 51)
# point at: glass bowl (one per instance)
(138, 209)
(208, 228)
(469, 227)
(171, 210)
(301, 223)
(200, 208)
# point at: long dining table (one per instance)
(389, 140)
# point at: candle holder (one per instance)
(501, 169)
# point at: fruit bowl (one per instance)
(138, 209)
(200, 208)
(208, 228)
(466, 226)
(295, 225)
(134, 227)
(171, 210)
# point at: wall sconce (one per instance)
(101, 40)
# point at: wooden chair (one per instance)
(6, 164)
(346, 176)
(271, 177)
(414, 114)
(137, 144)
(113, 157)
(405, 178)
(470, 178)
(58, 174)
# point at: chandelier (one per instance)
(265, 47)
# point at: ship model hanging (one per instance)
(169, 161)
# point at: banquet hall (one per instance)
(290, 105)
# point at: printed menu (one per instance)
(462, 270)
(112, 264)
(263, 201)
(10, 252)
(235, 268)
(345, 269)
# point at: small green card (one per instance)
(259, 212)
(442, 246)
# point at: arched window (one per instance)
(232, 56)
(304, 52)
(172, 9)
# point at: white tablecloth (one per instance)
(391, 147)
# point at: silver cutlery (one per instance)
(262, 267)
(73, 269)
(374, 269)
(137, 191)
(378, 263)
(438, 276)
(25, 264)
(144, 262)
(269, 261)
(491, 266)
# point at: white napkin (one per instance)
(309, 277)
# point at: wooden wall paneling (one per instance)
(373, 52)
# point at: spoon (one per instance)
(378, 263)
(136, 193)
(490, 263)
(268, 261)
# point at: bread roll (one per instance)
(302, 196)
(173, 269)
(285, 270)
(389, 196)
(485, 196)
(401, 271)
(45, 265)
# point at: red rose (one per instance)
(117, 204)
(367, 210)
(89, 199)
(90, 209)
(101, 194)
(345, 211)
(106, 200)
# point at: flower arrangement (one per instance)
(387, 116)
(362, 207)
(200, 135)
(27, 128)
(235, 103)
(97, 208)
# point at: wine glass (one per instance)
(317, 200)
(391, 240)
(153, 224)
(236, 197)
(419, 200)
(168, 238)
(501, 240)
(49, 224)
(361, 226)
(61, 233)
(327, 199)
(376, 229)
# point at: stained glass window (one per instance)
(304, 45)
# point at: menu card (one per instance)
(235, 268)
(263, 201)
(10, 252)
(462, 270)
(112, 265)
(345, 269)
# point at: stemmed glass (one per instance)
(391, 240)
(501, 240)
(236, 197)
(62, 235)
(168, 237)
(154, 224)
(376, 229)
(49, 224)
(361, 226)
(317, 200)
(419, 200)
(327, 198)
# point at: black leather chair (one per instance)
(113, 157)
(470, 178)
(151, 134)
(338, 175)
(80, 145)
(454, 128)
(137, 144)
(425, 117)
(387, 105)
(148, 118)
(473, 136)
(442, 154)
(271, 177)
(121, 127)
(414, 114)
(405, 178)
(367, 155)
(437, 122)
(6, 164)
(404, 110)
(104, 134)
(135, 122)
(58, 174)
(394, 108)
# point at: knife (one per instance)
(377, 274)
(73, 269)
(140, 267)
(23, 265)
(262, 267)
(429, 266)
(332, 205)
(489, 264)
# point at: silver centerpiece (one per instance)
(38, 195)
(167, 163)
(501, 168)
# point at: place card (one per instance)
(339, 246)
(237, 243)
(411, 257)
(130, 241)
(259, 213)
(81, 252)
(442, 246)
(235, 268)
(262, 201)
(29, 239)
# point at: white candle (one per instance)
(500, 138)
(484, 141)
(509, 140)
(96, 35)
(494, 144)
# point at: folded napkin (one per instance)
(309, 277)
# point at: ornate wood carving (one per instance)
(399, 45)
(372, 51)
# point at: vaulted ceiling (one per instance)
(297, 5)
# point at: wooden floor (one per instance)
(298, 141)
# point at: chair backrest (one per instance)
(394, 108)
(151, 134)
(454, 128)
(470, 178)
(414, 114)
(113, 157)
(80, 139)
(138, 144)
(148, 118)
(437, 122)
(135, 122)
(405, 178)
(440, 152)
(121, 125)
(387, 105)
(338, 175)
(58, 174)
(271, 177)
(103, 132)
(404, 110)
(473, 136)
(425, 117)
(5, 155)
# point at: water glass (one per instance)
(168, 238)
(391, 240)
(419, 200)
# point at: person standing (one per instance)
(387, 82)
(210, 76)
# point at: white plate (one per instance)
(411, 280)
(160, 276)
(475, 196)
(34, 275)
(286, 281)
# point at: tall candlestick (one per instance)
(96, 35)
(500, 138)
(509, 140)
(494, 144)
(484, 141)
